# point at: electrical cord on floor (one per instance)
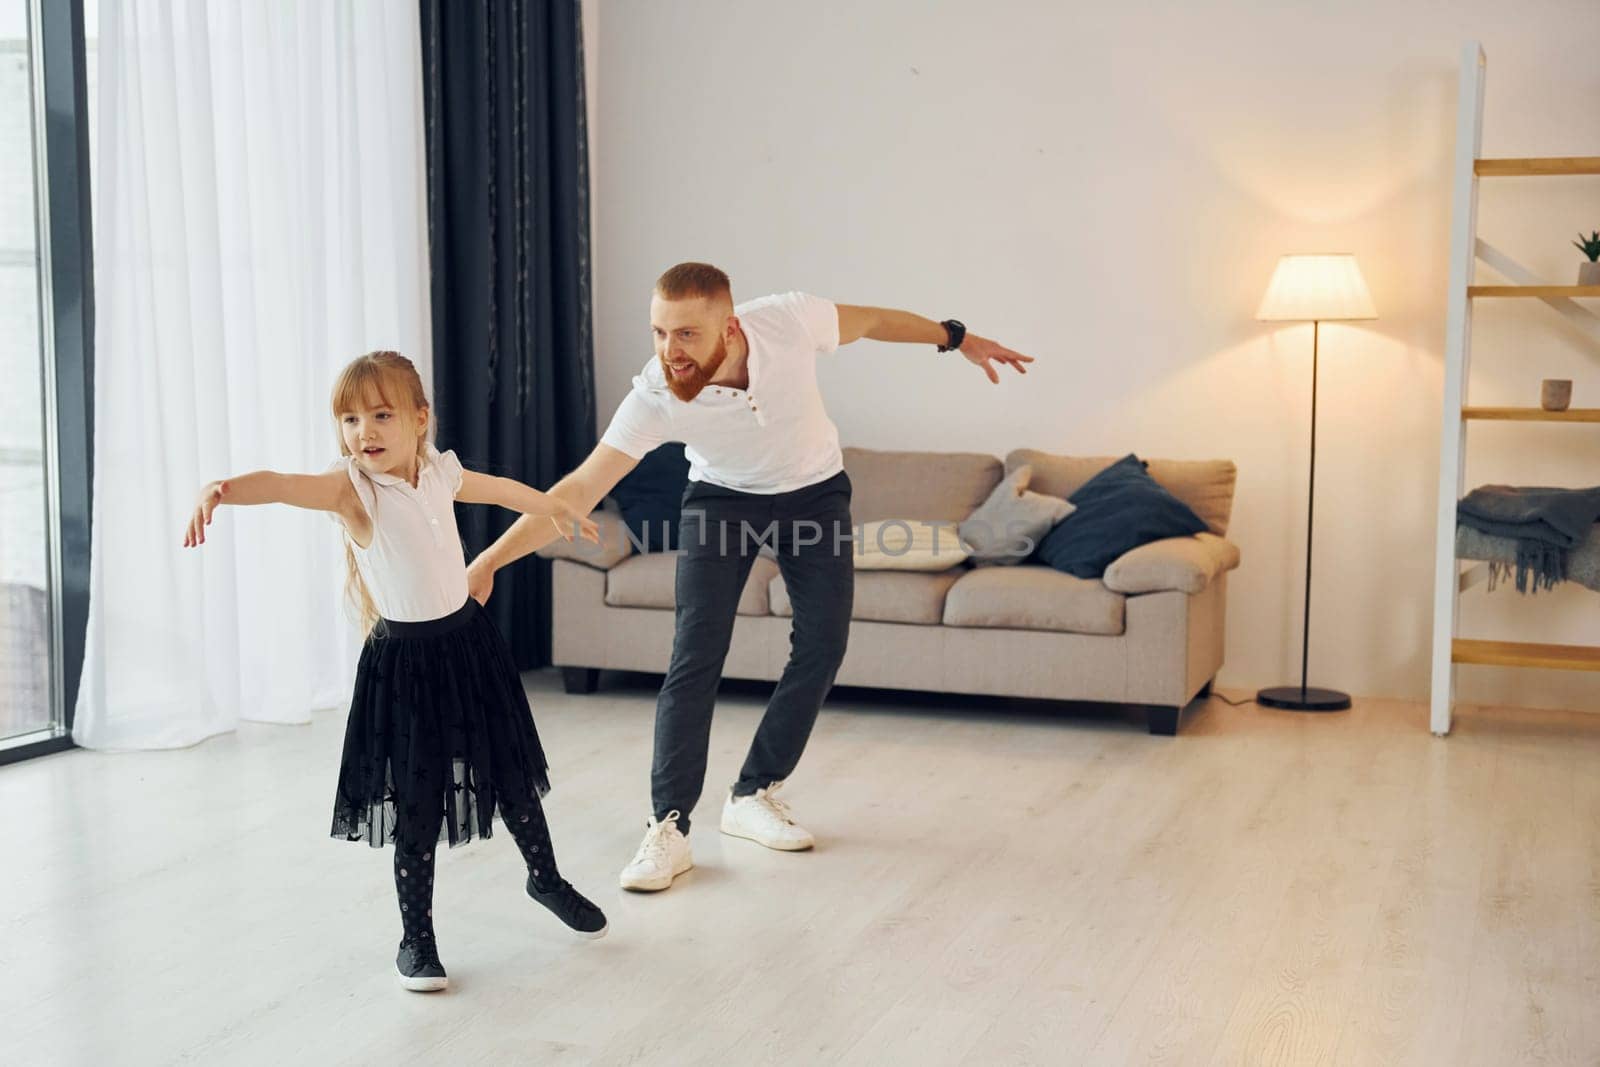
(1232, 703)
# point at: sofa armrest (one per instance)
(614, 547)
(1178, 564)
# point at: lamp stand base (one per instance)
(1295, 698)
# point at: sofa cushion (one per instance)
(1205, 485)
(1009, 525)
(650, 581)
(650, 497)
(1031, 597)
(1118, 509)
(1180, 564)
(946, 486)
(888, 596)
(908, 545)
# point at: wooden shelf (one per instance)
(1520, 654)
(1536, 168)
(1532, 414)
(1542, 292)
(1466, 250)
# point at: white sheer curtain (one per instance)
(259, 220)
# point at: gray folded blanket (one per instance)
(1545, 523)
(1582, 565)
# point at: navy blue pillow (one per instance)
(1118, 510)
(651, 497)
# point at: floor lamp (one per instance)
(1313, 289)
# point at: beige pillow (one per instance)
(908, 545)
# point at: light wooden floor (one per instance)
(994, 884)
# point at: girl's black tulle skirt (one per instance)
(440, 732)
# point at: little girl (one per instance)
(440, 732)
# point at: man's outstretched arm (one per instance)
(583, 489)
(887, 324)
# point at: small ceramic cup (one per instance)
(1555, 394)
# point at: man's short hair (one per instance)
(689, 280)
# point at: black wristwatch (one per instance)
(955, 332)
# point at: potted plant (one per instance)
(1589, 273)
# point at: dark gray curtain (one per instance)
(508, 230)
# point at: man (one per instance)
(738, 386)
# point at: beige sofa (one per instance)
(1149, 633)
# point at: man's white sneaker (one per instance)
(764, 819)
(662, 856)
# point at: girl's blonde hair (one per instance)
(396, 381)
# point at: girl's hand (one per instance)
(210, 497)
(569, 519)
(480, 580)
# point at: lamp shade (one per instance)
(1316, 287)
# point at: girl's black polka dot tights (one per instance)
(413, 884)
(527, 826)
(414, 864)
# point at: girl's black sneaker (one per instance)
(572, 908)
(419, 966)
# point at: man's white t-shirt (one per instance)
(771, 438)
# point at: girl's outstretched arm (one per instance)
(329, 491)
(509, 493)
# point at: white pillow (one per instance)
(1009, 525)
(908, 545)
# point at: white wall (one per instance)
(1108, 188)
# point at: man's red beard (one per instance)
(687, 386)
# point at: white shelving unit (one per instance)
(1450, 581)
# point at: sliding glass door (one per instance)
(28, 653)
(46, 316)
